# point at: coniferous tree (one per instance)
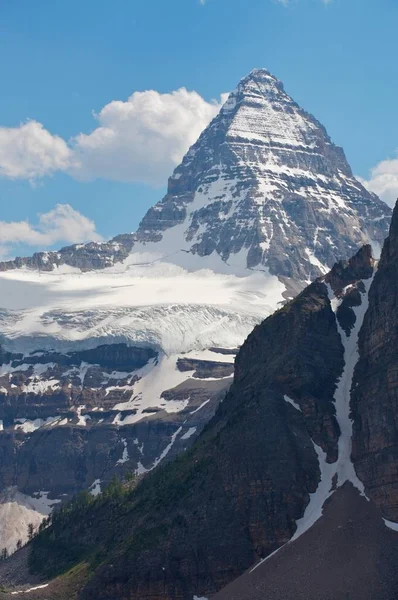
(4, 554)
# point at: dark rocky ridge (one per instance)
(375, 385)
(94, 255)
(205, 368)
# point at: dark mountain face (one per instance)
(375, 385)
(278, 447)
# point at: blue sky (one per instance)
(67, 61)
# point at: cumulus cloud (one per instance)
(62, 224)
(141, 139)
(383, 180)
(30, 151)
(144, 138)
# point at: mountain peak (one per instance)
(260, 75)
(259, 110)
(264, 188)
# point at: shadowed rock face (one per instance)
(375, 385)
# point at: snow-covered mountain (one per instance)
(265, 188)
(127, 345)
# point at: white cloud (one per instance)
(144, 138)
(30, 151)
(383, 180)
(62, 224)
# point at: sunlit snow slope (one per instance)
(160, 305)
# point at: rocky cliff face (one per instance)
(375, 386)
(95, 255)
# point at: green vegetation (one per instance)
(70, 536)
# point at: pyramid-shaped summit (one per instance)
(264, 186)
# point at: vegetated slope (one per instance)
(257, 473)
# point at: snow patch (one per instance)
(167, 449)
(315, 506)
(200, 407)
(391, 525)
(345, 468)
(82, 419)
(95, 488)
(140, 470)
(156, 377)
(32, 589)
(293, 403)
(28, 426)
(125, 456)
(189, 433)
